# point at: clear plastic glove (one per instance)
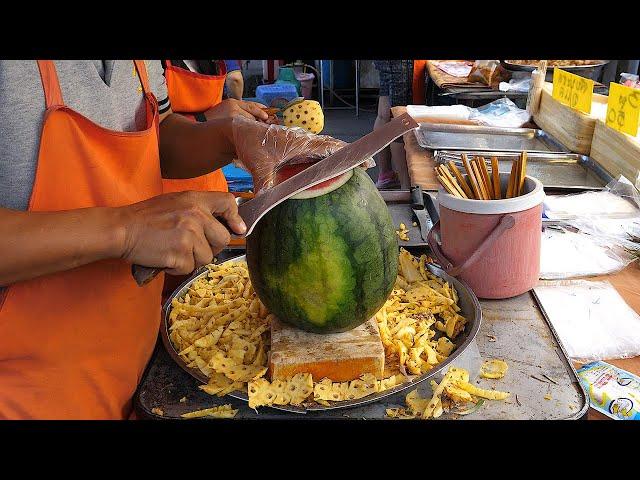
(264, 149)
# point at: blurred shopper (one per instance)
(396, 89)
(234, 84)
(195, 89)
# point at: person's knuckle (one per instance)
(190, 197)
(221, 239)
(170, 259)
(192, 212)
(184, 240)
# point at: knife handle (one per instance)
(417, 201)
(143, 275)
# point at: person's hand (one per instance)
(262, 149)
(231, 107)
(178, 231)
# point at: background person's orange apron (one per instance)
(74, 344)
(194, 93)
(418, 83)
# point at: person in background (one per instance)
(84, 147)
(195, 89)
(396, 78)
(234, 85)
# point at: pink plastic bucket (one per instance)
(492, 245)
(306, 83)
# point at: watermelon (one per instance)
(326, 260)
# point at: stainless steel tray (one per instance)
(530, 68)
(442, 136)
(399, 205)
(562, 171)
(513, 329)
(591, 71)
(470, 309)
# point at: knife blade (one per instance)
(417, 205)
(343, 160)
(336, 164)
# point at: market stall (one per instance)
(576, 129)
(475, 317)
(451, 79)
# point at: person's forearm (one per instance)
(235, 85)
(39, 243)
(189, 149)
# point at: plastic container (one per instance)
(306, 83)
(287, 75)
(492, 245)
(267, 93)
(238, 179)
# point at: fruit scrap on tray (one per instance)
(220, 327)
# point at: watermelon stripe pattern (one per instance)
(326, 264)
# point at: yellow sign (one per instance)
(572, 90)
(623, 108)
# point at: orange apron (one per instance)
(193, 93)
(74, 344)
(418, 84)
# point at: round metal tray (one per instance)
(469, 306)
(589, 71)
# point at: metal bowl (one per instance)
(469, 306)
(591, 71)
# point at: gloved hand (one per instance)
(264, 149)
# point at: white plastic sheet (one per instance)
(566, 254)
(591, 318)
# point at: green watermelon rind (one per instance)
(304, 256)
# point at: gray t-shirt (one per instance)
(108, 92)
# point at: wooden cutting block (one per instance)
(338, 356)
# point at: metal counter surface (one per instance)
(513, 329)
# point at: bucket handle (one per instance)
(505, 223)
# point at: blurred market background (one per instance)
(350, 90)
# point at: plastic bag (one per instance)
(591, 318)
(516, 85)
(567, 254)
(440, 112)
(612, 391)
(489, 72)
(599, 232)
(500, 113)
(265, 150)
(612, 215)
(630, 80)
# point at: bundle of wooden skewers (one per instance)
(481, 184)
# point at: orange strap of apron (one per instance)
(419, 87)
(142, 74)
(50, 83)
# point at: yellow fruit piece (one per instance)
(481, 392)
(292, 391)
(223, 411)
(457, 394)
(416, 403)
(493, 369)
(306, 114)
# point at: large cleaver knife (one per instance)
(343, 160)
